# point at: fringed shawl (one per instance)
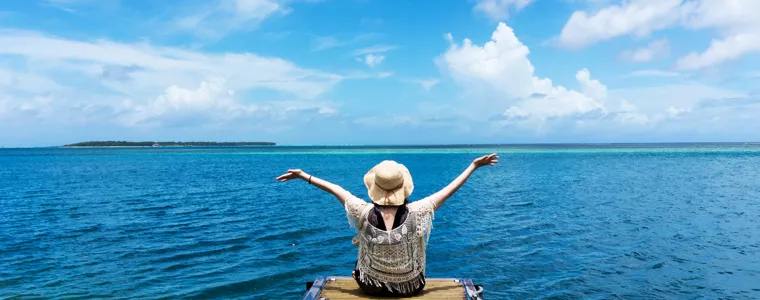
(395, 258)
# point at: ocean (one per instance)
(664, 221)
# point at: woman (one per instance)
(392, 233)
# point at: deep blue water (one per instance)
(606, 222)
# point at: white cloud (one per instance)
(502, 65)
(653, 73)
(384, 121)
(502, 70)
(119, 84)
(328, 42)
(561, 102)
(210, 102)
(220, 17)
(375, 49)
(26, 81)
(499, 10)
(372, 60)
(636, 17)
(652, 99)
(655, 50)
(160, 67)
(735, 21)
(591, 87)
(365, 75)
(719, 51)
(426, 84)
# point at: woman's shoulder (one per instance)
(422, 205)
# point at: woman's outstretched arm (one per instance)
(439, 197)
(322, 184)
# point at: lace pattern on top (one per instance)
(395, 258)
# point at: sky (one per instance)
(352, 72)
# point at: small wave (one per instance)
(175, 267)
(529, 203)
(657, 266)
(517, 192)
(192, 211)
(249, 286)
(196, 254)
(533, 252)
(640, 256)
(227, 241)
(152, 208)
(53, 283)
(289, 234)
(11, 281)
(87, 229)
(48, 211)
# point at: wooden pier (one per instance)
(345, 288)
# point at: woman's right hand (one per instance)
(487, 160)
(291, 174)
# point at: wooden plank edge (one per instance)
(470, 291)
(316, 288)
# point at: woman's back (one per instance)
(391, 259)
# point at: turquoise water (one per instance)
(550, 221)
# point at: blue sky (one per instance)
(379, 72)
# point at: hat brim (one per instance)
(395, 197)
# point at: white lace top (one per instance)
(395, 258)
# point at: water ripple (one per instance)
(202, 224)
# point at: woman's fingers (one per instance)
(285, 176)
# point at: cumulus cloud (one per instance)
(735, 21)
(636, 17)
(499, 10)
(52, 80)
(719, 51)
(371, 55)
(210, 102)
(561, 102)
(501, 69)
(655, 50)
(502, 65)
(372, 60)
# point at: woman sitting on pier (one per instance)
(392, 232)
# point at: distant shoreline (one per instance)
(418, 146)
(126, 144)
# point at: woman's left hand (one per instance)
(488, 160)
(291, 174)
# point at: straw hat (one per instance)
(389, 183)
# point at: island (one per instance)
(168, 144)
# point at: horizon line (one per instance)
(455, 144)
